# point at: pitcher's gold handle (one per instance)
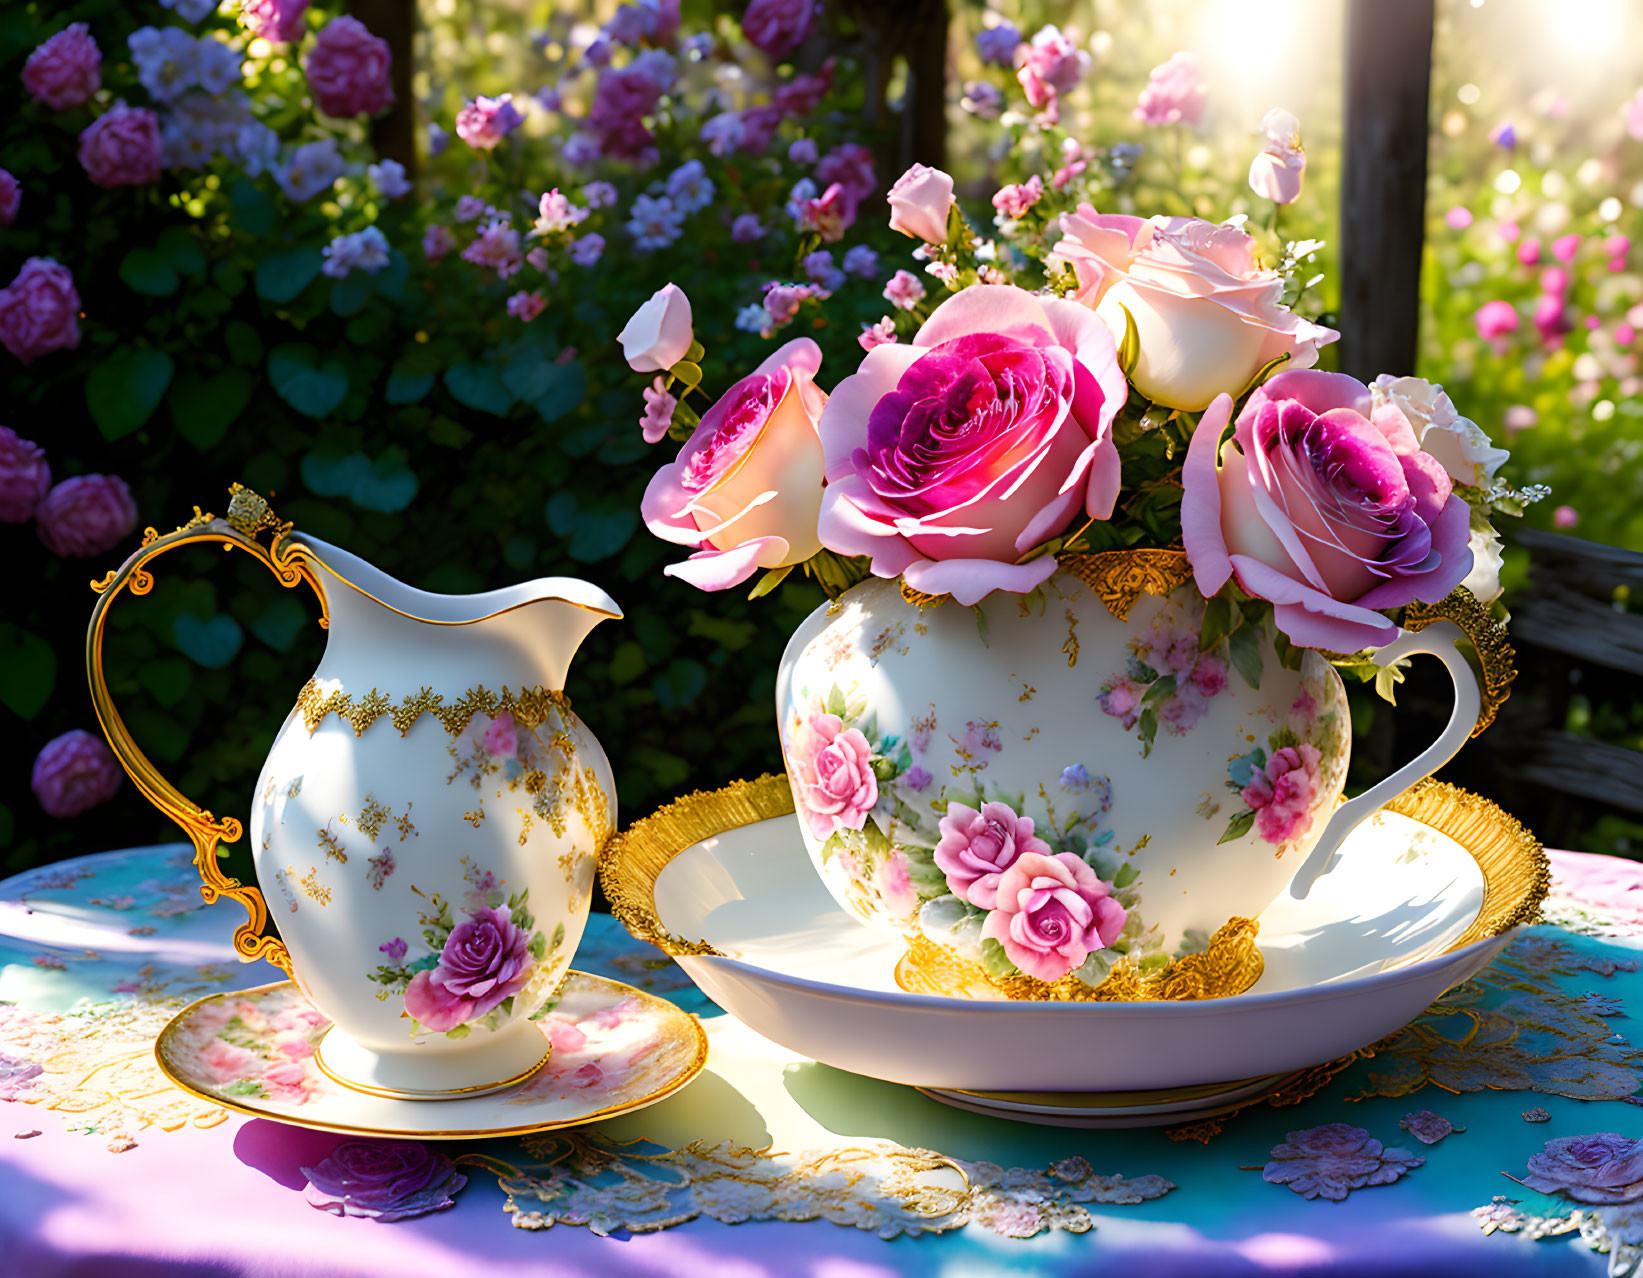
(248, 517)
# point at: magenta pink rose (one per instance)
(74, 772)
(65, 71)
(977, 847)
(86, 515)
(746, 488)
(24, 477)
(621, 100)
(851, 166)
(951, 456)
(1326, 506)
(11, 198)
(277, 21)
(1207, 316)
(1174, 94)
(121, 147)
(349, 70)
(1496, 320)
(1053, 912)
(502, 736)
(484, 122)
(831, 770)
(777, 27)
(1283, 795)
(1048, 67)
(486, 959)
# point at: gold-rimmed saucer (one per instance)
(616, 1049)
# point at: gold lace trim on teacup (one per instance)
(1118, 577)
(530, 707)
(1229, 965)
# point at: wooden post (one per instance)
(915, 31)
(393, 134)
(1383, 183)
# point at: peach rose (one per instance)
(1208, 318)
(746, 488)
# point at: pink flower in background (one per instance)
(1565, 517)
(919, 202)
(850, 164)
(1174, 94)
(1554, 281)
(746, 487)
(66, 71)
(1551, 319)
(1275, 173)
(1528, 252)
(1014, 200)
(997, 44)
(437, 241)
(225, 1062)
(484, 122)
(1324, 504)
(1283, 795)
(121, 147)
(832, 774)
(38, 310)
(75, 772)
(349, 70)
(86, 515)
(1496, 320)
(1122, 700)
(877, 334)
(777, 27)
(977, 847)
(1565, 247)
(1053, 912)
(486, 959)
(11, 197)
(24, 477)
(829, 215)
(904, 291)
(950, 457)
(288, 1080)
(659, 406)
(497, 247)
(1458, 218)
(1207, 314)
(277, 21)
(1604, 1168)
(1048, 67)
(802, 94)
(502, 736)
(526, 306)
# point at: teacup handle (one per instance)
(248, 515)
(1439, 638)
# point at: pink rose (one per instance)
(895, 886)
(121, 147)
(919, 202)
(829, 215)
(502, 736)
(1015, 200)
(1283, 795)
(1208, 318)
(24, 477)
(951, 456)
(977, 847)
(277, 21)
(65, 71)
(659, 334)
(349, 70)
(1326, 506)
(833, 782)
(225, 1062)
(11, 198)
(1174, 93)
(1275, 173)
(777, 27)
(1496, 320)
(1047, 68)
(746, 488)
(486, 959)
(1605, 1168)
(287, 1081)
(1053, 912)
(74, 772)
(851, 166)
(484, 122)
(86, 515)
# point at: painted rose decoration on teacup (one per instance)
(1093, 533)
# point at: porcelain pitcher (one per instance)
(925, 740)
(427, 825)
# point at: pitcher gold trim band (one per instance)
(429, 798)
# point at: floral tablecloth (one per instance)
(1471, 1141)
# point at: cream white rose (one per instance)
(659, 334)
(1458, 442)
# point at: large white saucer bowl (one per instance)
(1409, 912)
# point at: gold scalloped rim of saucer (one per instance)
(1515, 871)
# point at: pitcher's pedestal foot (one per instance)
(433, 1070)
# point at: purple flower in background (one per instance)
(484, 122)
(599, 195)
(746, 229)
(861, 261)
(86, 516)
(10, 198)
(383, 1180)
(984, 99)
(803, 151)
(75, 772)
(24, 477)
(66, 70)
(997, 45)
(1504, 135)
(776, 27)
(588, 250)
(277, 21)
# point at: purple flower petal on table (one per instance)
(1427, 1127)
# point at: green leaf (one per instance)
(203, 408)
(244, 343)
(1244, 647)
(627, 663)
(124, 390)
(1239, 826)
(567, 391)
(529, 374)
(690, 374)
(772, 578)
(480, 387)
(212, 644)
(680, 683)
(405, 387)
(166, 679)
(311, 386)
(28, 670)
(181, 251)
(388, 486)
(461, 1031)
(281, 276)
(280, 623)
(1161, 690)
(351, 292)
(391, 279)
(1386, 681)
(251, 209)
(1149, 730)
(1220, 620)
(1129, 350)
(146, 271)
